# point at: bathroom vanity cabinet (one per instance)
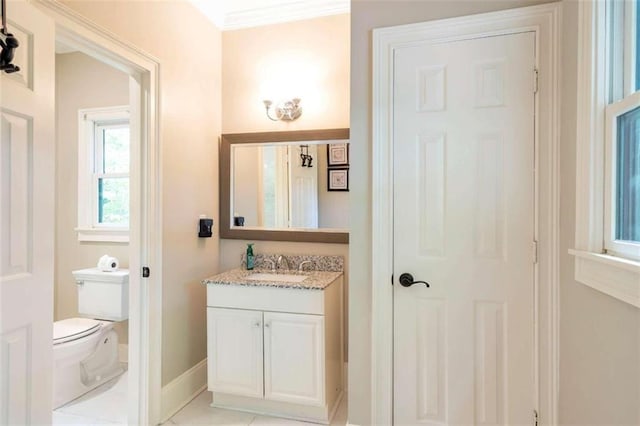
(276, 348)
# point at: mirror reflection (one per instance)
(290, 185)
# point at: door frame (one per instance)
(145, 245)
(544, 20)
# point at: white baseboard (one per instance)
(183, 389)
(123, 352)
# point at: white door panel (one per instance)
(464, 222)
(303, 189)
(27, 153)
(234, 345)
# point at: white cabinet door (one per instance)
(234, 345)
(294, 358)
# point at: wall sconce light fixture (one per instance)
(285, 111)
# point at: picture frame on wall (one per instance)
(337, 154)
(338, 179)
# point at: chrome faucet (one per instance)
(304, 262)
(273, 264)
(282, 259)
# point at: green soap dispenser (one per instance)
(250, 257)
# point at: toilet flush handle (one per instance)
(79, 283)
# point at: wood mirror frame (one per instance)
(237, 233)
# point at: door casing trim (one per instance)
(544, 20)
(145, 245)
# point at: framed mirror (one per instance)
(285, 186)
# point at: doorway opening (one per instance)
(93, 144)
(28, 212)
(121, 162)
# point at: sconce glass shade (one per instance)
(285, 111)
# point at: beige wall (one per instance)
(599, 335)
(81, 82)
(188, 47)
(308, 59)
(333, 206)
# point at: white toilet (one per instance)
(85, 350)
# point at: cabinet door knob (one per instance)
(268, 325)
(257, 324)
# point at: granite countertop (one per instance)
(316, 280)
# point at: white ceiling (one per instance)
(235, 14)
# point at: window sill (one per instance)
(614, 276)
(103, 235)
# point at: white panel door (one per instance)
(234, 345)
(464, 222)
(27, 152)
(303, 189)
(294, 358)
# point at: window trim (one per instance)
(88, 229)
(630, 48)
(613, 275)
(628, 250)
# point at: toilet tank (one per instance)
(103, 295)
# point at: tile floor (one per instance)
(198, 412)
(107, 405)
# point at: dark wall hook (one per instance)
(8, 45)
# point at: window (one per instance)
(622, 132)
(608, 149)
(103, 174)
(111, 174)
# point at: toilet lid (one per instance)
(73, 328)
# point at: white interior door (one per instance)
(303, 184)
(464, 222)
(27, 155)
(273, 187)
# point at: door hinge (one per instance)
(535, 417)
(145, 272)
(535, 80)
(534, 251)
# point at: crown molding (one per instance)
(275, 14)
(63, 48)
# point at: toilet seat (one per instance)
(73, 329)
